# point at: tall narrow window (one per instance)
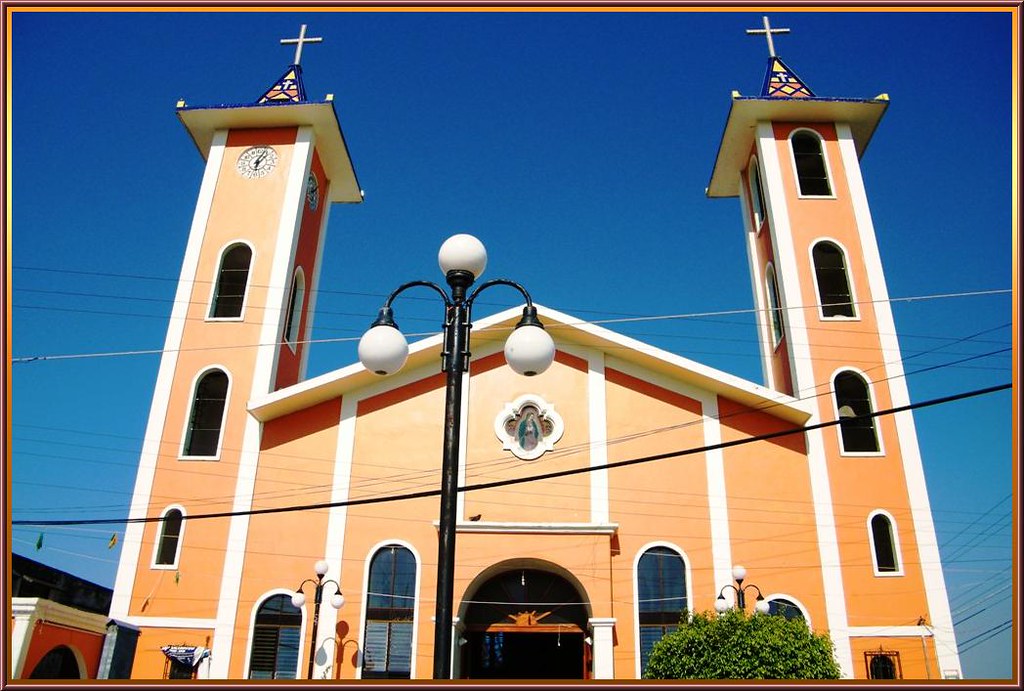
(229, 293)
(858, 434)
(774, 304)
(387, 643)
(833, 280)
(811, 173)
(756, 195)
(884, 544)
(207, 416)
(294, 315)
(170, 538)
(661, 596)
(275, 640)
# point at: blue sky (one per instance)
(576, 146)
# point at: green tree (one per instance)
(735, 646)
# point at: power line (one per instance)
(534, 478)
(618, 320)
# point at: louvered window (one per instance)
(854, 403)
(833, 281)
(294, 314)
(661, 581)
(229, 293)
(207, 415)
(170, 537)
(275, 640)
(884, 544)
(811, 172)
(387, 644)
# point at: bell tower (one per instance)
(239, 329)
(827, 337)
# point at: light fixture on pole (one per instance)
(739, 573)
(383, 350)
(299, 599)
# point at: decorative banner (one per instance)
(190, 655)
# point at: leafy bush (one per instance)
(735, 646)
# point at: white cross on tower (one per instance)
(299, 41)
(768, 31)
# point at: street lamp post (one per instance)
(383, 350)
(299, 599)
(739, 573)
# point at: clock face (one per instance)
(256, 162)
(312, 192)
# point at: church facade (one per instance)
(664, 474)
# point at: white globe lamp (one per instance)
(462, 252)
(529, 350)
(383, 349)
(298, 600)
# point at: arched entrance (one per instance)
(59, 663)
(525, 624)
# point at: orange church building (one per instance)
(573, 576)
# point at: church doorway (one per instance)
(525, 624)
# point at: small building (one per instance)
(60, 628)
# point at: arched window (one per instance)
(275, 640)
(294, 315)
(168, 544)
(883, 544)
(207, 416)
(811, 173)
(853, 399)
(387, 640)
(661, 596)
(756, 195)
(774, 304)
(229, 292)
(833, 280)
(884, 664)
(780, 606)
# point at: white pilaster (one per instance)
(602, 653)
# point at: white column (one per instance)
(24, 614)
(602, 650)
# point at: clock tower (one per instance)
(828, 338)
(239, 330)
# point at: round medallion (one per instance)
(312, 192)
(256, 162)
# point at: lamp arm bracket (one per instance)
(500, 282)
(412, 284)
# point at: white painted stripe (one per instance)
(718, 505)
(171, 622)
(132, 544)
(802, 371)
(598, 414)
(893, 631)
(334, 547)
(913, 468)
(280, 282)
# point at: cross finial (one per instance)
(768, 31)
(298, 43)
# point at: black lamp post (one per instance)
(739, 573)
(383, 350)
(299, 599)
